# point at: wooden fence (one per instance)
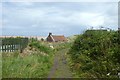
(13, 44)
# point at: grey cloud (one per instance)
(67, 18)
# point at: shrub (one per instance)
(40, 47)
(97, 52)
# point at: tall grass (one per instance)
(40, 47)
(31, 66)
(0, 65)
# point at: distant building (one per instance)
(56, 38)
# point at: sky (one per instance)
(60, 18)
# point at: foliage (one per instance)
(31, 66)
(96, 54)
(41, 47)
(65, 45)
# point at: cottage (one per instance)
(56, 38)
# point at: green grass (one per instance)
(25, 67)
(40, 47)
(0, 65)
(30, 66)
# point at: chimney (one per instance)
(50, 33)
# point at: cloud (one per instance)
(60, 1)
(68, 18)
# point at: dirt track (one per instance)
(60, 67)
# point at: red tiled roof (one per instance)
(59, 37)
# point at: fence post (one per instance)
(12, 44)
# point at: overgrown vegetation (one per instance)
(31, 66)
(41, 47)
(96, 54)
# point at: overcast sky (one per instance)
(65, 18)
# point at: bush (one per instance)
(98, 54)
(40, 47)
